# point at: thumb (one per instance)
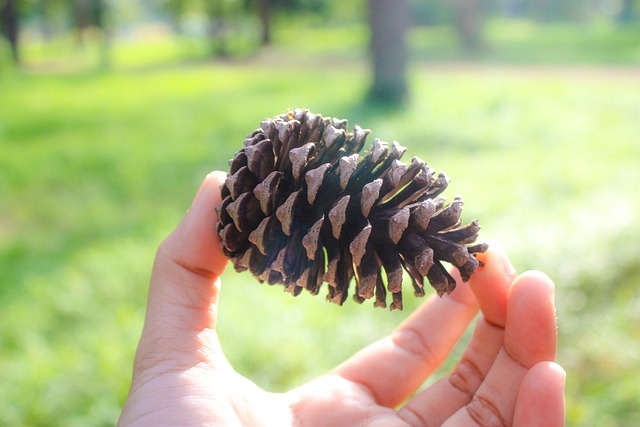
(183, 294)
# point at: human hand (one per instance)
(505, 377)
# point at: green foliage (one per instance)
(95, 168)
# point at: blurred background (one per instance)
(113, 111)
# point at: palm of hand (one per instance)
(505, 377)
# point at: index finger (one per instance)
(499, 273)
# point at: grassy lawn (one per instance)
(96, 168)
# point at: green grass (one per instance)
(96, 167)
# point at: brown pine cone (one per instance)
(301, 207)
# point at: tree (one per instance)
(174, 9)
(10, 25)
(627, 12)
(264, 12)
(389, 21)
(217, 27)
(87, 14)
(468, 23)
(92, 14)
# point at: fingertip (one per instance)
(213, 179)
(533, 288)
(541, 399)
(491, 283)
(545, 375)
(212, 182)
(216, 177)
(495, 257)
(537, 279)
(195, 242)
(531, 332)
(556, 372)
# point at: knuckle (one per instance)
(485, 413)
(412, 417)
(466, 377)
(412, 342)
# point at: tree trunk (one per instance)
(468, 22)
(100, 14)
(264, 12)
(10, 26)
(389, 21)
(217, 30)
(81, 19)
(627, 12)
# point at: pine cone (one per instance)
(301, 207)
